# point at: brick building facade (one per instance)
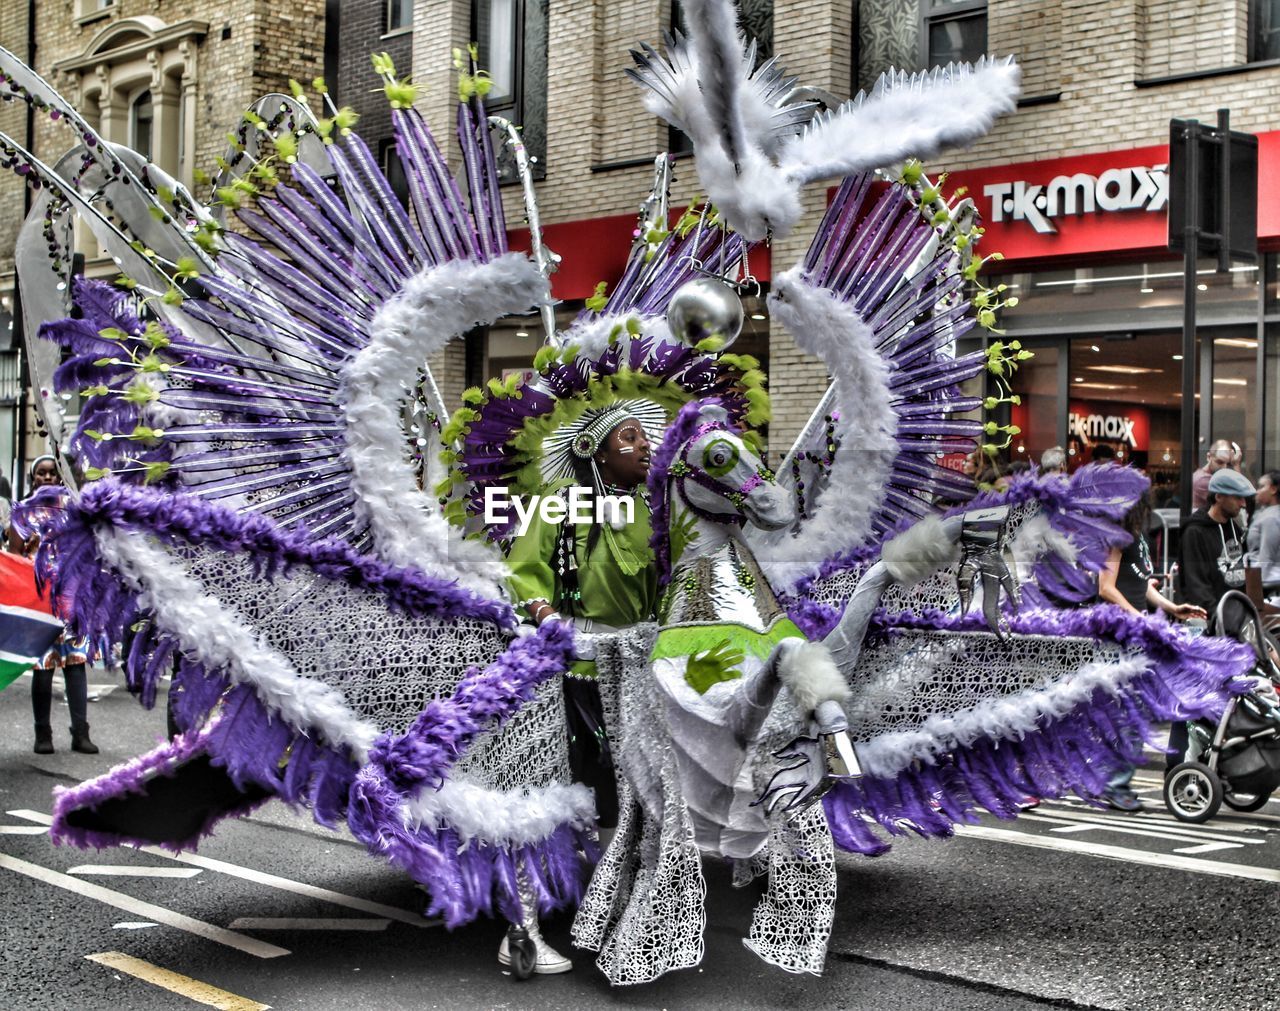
(1100, 78)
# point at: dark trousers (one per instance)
(1178, 740)
(590, 759)
(77, 682)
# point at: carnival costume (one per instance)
(341, 644)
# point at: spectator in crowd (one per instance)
(1211, 559)
(1218, 457)
(1102, 453)
(1053, 461)
(1264, 532)
(1129, 581)
(31, 516)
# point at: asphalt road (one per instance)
(1067, 907)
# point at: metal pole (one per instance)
(1224, 189)
(1190, 233)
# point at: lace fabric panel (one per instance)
(386, 664)
(935, 592)
(792, 921)
(904, 678)
(530, 750)
(389, 665)
(644, 910)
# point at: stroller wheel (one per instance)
(524, 956)
(1245, 801)
(1192, 792)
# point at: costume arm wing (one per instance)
(904, 116)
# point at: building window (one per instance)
(399, 15)
(1264, 30)
(952, 31)
(393, 169)
(141, 121)
(512, 36)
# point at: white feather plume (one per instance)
(832, 330)
(905, 116)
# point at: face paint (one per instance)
(626, 449)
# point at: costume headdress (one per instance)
(582, 439)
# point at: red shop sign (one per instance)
(1109, 202)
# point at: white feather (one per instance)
(433, 307)
(905, 116)
(841, 519)
(592, 336)
(808, 670)
(919, 551)
(504, 818)
(1002, 719)
(1034, 538)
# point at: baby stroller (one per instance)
(1236, 760)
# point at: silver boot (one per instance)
(523, 948)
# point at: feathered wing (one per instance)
(272, 376)
(880, 299)
(904, 116)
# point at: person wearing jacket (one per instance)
(1211, 560)
(1211, 552)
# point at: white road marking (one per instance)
(1208, 847)
(125, 871)
(175, 982)
(1180, 832)
(219, 935)
(23, 830)
(1122, 853)
(306, 923)
(1068, 829)
(133, 925)
(271, 880)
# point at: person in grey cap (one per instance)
(1211, 561)
(1211, 553)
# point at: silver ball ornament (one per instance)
(702, 308)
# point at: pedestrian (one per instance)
(31, 516)
(1102, 453)
(1218, 457)
(1211, 558)
(1264, 532)
(1053, 461)
(1128, 580)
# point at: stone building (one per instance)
(168, 77)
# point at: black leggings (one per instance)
(77, 695)
(590, 760)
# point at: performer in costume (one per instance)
(344, 647)
(600, 576)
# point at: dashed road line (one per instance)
(127, 871)
(306, 923)
(23, 830)
(175, 982)
(219, 935)
(270, 880)
(1166, 860)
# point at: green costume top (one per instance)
(617, 580)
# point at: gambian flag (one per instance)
(28, 628)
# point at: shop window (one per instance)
(512, 36)
(399, 15)
(141, 124)
(952, 31)
(1264, 30)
